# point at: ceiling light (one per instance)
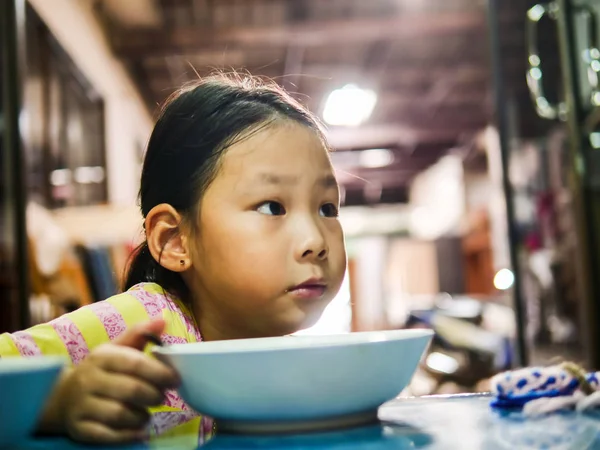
(376, 157)
(349, 106)
(504, 279)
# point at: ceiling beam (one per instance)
(469, 47)
(329, 74)
(403, 161)
(359, 196)
(393, 178)
(389, 176)
(324, 77)
(132, 13)
(390, 100)
(311, 34)
(421, 150)
(390, 135)
(402, 73)
(442, 114)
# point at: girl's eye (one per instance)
(271, 209)
(328, 210)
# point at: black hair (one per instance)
(195, 127)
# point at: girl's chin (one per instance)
(295, 320)
(307, 321)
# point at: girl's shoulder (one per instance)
(157, 302)
(151, 296)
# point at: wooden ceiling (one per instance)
(428, 60)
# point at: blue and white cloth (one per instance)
(540, 390)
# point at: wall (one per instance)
(478, 190)
(437, 196)
(410, 277)
(374, 220)
(370, 257)
(127, 121)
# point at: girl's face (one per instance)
(268, 254)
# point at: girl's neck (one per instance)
(213, 327)
(215, 324)
(211, 333)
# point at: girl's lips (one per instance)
(308, 291)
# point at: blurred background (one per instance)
(466, 142)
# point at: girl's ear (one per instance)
(167, 242)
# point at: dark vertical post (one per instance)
(502, 123)
(12, 29)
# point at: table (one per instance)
(447, 422)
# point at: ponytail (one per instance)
(143, 268)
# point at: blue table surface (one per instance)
(457, 422)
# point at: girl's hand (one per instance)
(105, 398)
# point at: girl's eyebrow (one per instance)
(326, 181)
(271, 178)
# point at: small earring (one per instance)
(182, 262)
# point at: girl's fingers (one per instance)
(126, 389)
(134, 337)
(125, 360)
(113, 414)
(95, 432)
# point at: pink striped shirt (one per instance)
(75, 334)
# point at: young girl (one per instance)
(240, 208)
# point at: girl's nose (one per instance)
(312, 244)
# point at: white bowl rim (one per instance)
(23, 364)
(296, 342)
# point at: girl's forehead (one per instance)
(287, 148)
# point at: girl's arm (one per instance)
(106, 397)
(76, 334)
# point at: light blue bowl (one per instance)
(296, 383)
(25, 385)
